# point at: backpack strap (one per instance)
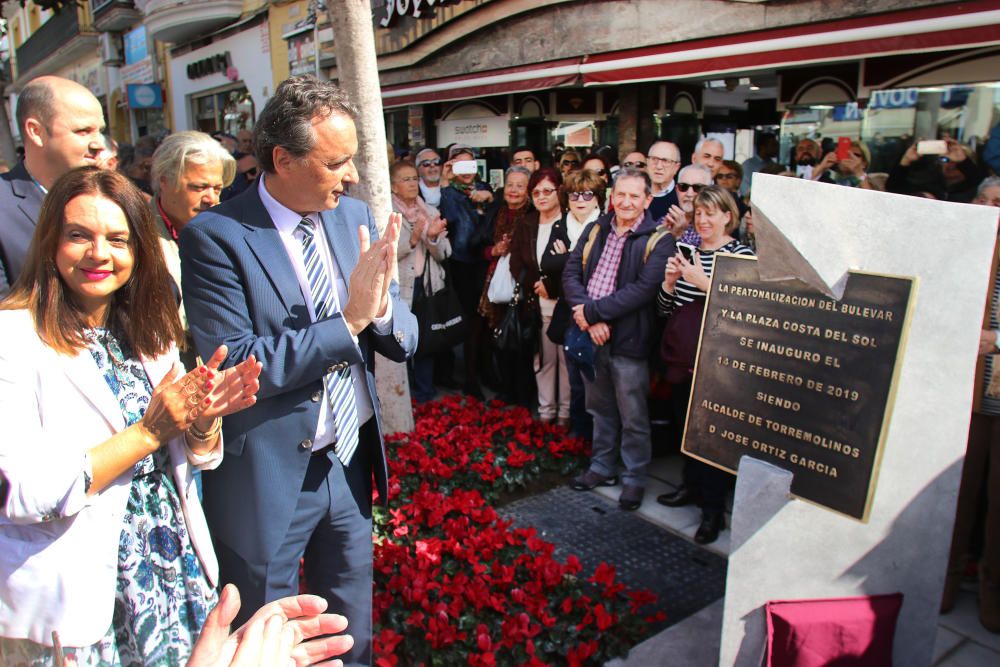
(654, 238)
(589, 245)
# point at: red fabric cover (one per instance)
(846, 632)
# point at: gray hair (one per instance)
(286, 119)
(183, 148)
(704, 140)
(516, 169)
(988, 182)
(696, 167)
(632, 172)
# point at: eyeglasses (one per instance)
(661, 160)
(586, 195)
(430, 163)
(634, 165)
(573, 163)
(697, 187)
(542, 192)
(726, 177)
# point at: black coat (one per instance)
(20, 201)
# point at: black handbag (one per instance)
(561, 318)
(439, 316)
(515, 332)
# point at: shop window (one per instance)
(890, 120)
(227, 111)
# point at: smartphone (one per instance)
(932, 147)
(843, 148)
(687, 250)
(464, 167)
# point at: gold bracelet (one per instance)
(213, 431)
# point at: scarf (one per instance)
(416, 213)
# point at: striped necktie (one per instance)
(339, 386)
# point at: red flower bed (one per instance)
(457, 585)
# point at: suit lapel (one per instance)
(82, 371)
(343, 239)
(266, 244)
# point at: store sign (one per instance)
(903, 98)
(477, 132)
(415, 8)
(145, 96)
(217, 64)
(136, 45)
(138, 72)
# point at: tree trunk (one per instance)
(7, 152)
(357, 73)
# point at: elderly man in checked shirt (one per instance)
(612, 294)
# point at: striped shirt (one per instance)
(605, 276)
(991, 405)
(685, 292)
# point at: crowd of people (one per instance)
(197, 303)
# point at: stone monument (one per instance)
(892, 533)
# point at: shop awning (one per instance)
(941, 27)
(526, 78)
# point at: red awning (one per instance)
(941, 27)
(525, 78)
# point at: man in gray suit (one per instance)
(292, 271)
(61, 124)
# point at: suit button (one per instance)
(306, 444)
(316, 395)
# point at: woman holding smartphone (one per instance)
(682, 296)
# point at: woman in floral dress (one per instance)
(103, 544)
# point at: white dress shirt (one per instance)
(286, 221)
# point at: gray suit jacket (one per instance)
(240, 289)
(20, 201)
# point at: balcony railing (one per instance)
(179, 20)
(114, 15)
(52, 35)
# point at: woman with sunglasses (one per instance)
(527, 250)
(583, 197)
(570, 161)
(681, 298)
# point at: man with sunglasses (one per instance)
(634, 160)
(662, 164)
(690, 182)
(429, 169)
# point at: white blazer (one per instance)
(59, 547)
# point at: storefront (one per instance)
(900, 70)
(221, 86)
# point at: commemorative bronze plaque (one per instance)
(792, 377)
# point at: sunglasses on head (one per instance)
(635, 165)
(586, 195)
(430, 163)
(697, 187)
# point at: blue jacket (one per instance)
(463, 221)
(631, 309)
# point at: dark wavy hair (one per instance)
(286, 119)
(143, 311)
(542, 174)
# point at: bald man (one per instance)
(61, 124)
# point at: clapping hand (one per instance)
(435, 227)
(676, 221)
(233, 389)
(368, 287)
(290, 631)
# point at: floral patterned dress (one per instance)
(162, 596)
